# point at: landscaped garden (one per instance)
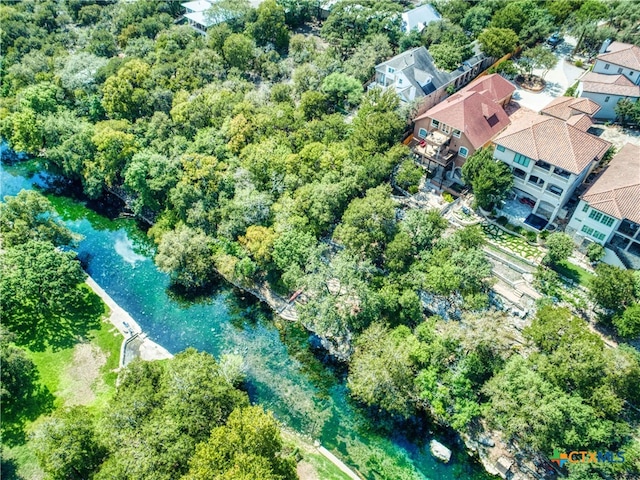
(512, 243)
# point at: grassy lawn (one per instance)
(79, 374)
(574, 273)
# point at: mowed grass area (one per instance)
(81, 374)
(574, 272)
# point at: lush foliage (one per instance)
(490, 179)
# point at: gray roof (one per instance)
(419, 17)
(417, 65)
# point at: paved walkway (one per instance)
(143, 347)
(558, 79)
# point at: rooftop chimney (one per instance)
(605, 45)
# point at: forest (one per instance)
(254, 153)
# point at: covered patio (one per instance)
(519, 210)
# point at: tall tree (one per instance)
(497, 42)
(270, 26)
(490, 179)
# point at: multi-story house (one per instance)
(615, 76)
(549, 159)
(414, 76)
(609, 210)
(196, 13)
(578, 112)
(450, 132)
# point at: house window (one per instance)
(598, 235)
(606, 67)
(631, 73)
(445, 128)
(519, 173)
(586, 207)
(522, 160)
(422, 133)
(435, 123)
(606, 220)
(457, 133)
(399, 81)
(595, 215)
(500, 148)
(587, 230)
(620, 70)
(391, 70)
(463, 152)
(554, 190)
(537, 181)
(561, 173)
(543, 165)
(606, 99)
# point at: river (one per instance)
(283, 374)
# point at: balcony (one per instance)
(434, 148)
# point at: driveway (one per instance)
(558, 79)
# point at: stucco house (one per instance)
(414, 76)
(454, 129)
(609, 210)
(549, 159)
(578, 112)
(615, 75)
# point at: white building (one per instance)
(615, 75)
(549, 159)
(609, 210)
(419, 17)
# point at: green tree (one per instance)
(150, 176)
(186, 255)
(314, 105)
(424, 227)
(446, 56)
(368, 223)
(270, 27)
(624, 110)
(540, 58)
(559, 248)
(342, 90)
(627, 323)
(66, 445)
(362, 62)
(490, 179)
(497, 42)
(30, 216)
(40, 294)
(612, 288)
(409, 175)
(126, 94)
(248, 447)
(595, 252)
(19, 375)
(238, 51)
(381, 371)
(476, 19)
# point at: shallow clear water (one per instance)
(306, 396)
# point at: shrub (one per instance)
(502, 220)
(447, 197)
(531, 236)
(544, 234)
(413, 189)
(628, 323)
(559, 248)
(579, 63)
(595, 252)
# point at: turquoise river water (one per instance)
(282, 374)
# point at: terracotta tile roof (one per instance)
(609, 84)
(566, 107)
(623, 54)
(541, 137)
(582, 122)
(616, 191)
(493, 86)
(473, 113)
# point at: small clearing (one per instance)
(306, 471)
(82, 378)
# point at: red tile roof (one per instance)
(566, 107)
(582, 122)
(493, 86)
(609, 85)
(476, 115)
(623, 54)
(541, 137)
(617, 191)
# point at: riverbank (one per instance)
(136, 344)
